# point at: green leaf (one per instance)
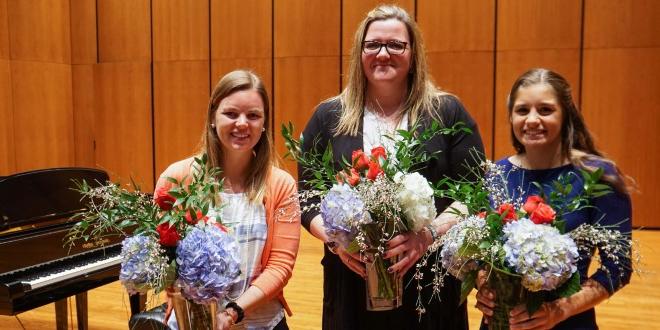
(571, 287)
(353, 247)
(468, 284)
(534, 301)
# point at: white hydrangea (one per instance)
(416, 199)
(544, 257)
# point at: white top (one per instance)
(375, 131)
(247, 222)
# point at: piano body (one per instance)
(35, 266)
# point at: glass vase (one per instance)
(509, 293)
(193, 316)
(384, 289)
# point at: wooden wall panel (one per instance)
(8, 164)
(241, 29)
(309, 30)
(43, 117)
(242, 38)
(620, 106)
(300, 85)
(622, 24)
(124, 30)
(83, 31)
(621, 76)
(40, 30)
(180, 30)
(83, 114)
(306, 64)
(533, 34)
(123, 122)
(538, 24)
(181, 77)
(181, 93)
(4, 31)
(460, 42)
(468, 75)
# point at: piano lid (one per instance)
(32, 197)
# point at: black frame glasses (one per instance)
(392, 47)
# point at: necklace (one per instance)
(379, 131)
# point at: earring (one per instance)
(263, 129)
(212, 125)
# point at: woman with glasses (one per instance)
(389, 88)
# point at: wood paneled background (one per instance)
(123, 85)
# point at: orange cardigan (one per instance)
(283, 220)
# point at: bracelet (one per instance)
(332, 246)
(240, 313)
(434, 234)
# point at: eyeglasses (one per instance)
(393, 47)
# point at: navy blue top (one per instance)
(613, 209)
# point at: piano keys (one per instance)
(35, 266)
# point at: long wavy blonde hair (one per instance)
(264, 159)
(422, 96)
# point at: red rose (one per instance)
(378, 152)
(374, 170)
(482, 214)
(163, 198)
(508, 211)
(543, 214)
(198, 216)
(359, 160)
(532, 203)
(168, 234)
(353, 178)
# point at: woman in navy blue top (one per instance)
(551, 139)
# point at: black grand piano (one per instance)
(35, 266)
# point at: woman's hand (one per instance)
(485, 296)
(168, 311)
(546, 317)
(225, 320)
(411, 246)
(352, 260)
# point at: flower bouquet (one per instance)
(369, 200)
(521, 246)
(172, 241)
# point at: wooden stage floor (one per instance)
(634, 307)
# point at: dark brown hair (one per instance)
(577, 145)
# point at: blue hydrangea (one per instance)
(143, 264)
(469, 231)
(540, 254)
(209, 264)
(343, 212)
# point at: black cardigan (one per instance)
(344, 291)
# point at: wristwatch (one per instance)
(240, 313)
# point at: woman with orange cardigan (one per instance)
(259, 201)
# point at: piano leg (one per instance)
(81, 310)
(60, 314)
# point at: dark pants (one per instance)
(282, 325)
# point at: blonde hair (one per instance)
(422, 96)
(259, 168)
